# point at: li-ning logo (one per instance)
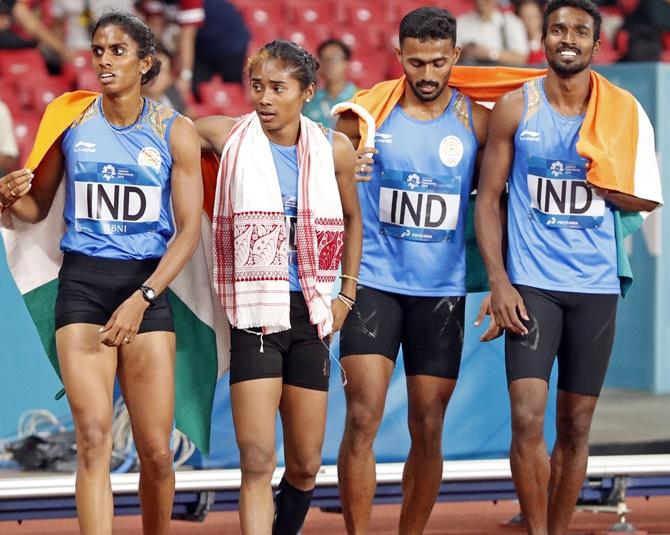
(413, 181)
(108, 172)
(383, 138)
(557, 168)
(83, 146)
(529, 135)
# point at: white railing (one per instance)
(387, 473)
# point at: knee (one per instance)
(527, 424)
(573, 429)
(257, 461)
(362, 424)
(157, 462)
(425, 427)
(94, 443)
(302, 473)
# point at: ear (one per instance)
(544, 48)
(398, 54)
(308, 93)
(596, 47)
(456, 55)
(145, 64)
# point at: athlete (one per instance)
(412, 282)
(557, 292)
(126, 177)
(280, 174)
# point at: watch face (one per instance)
(149, 293)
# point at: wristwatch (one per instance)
(149, 294)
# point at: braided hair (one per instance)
(302, 64)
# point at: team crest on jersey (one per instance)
(451, 151)
(150, 157)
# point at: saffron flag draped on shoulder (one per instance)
(34, 260)
(616, 137)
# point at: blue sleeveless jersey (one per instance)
(561, 233)
(286, 163)
(117, 202)
(415, 205)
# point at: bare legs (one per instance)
(548, 488)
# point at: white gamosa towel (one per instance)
(249, 230)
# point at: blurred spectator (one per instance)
(490, 36)
(643, 30)
(333, 67)
(163, 16)
(9, 151)
(221, 44)
(162, 88)
(75, 18)
(21, 28)
(530, 12)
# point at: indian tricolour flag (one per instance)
(202, 332)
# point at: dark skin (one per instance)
(278, 99)
(90, 356)
(427, 66)
(569, 44)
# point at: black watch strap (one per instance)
(148, 293)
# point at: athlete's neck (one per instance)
(286, 136)
(568, 95)
(421, 109)
(122, 110)
(336, 87)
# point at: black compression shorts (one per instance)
(297, 355)
(430, 330)
(91, 288)
(576, 328)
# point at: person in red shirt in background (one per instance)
(189, 15)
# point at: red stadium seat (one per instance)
(263, 13)
(24, 62)
(308, 37)
(81, 61)
(305, 12)
(10, 95)
(361, 37)
(44, 91)
(261, 35)
(25, 128)
(364, 13)
(367, 70)
(225, 98)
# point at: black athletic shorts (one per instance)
(297, 355)
(91, 288)
(430, 330)
(576, 328)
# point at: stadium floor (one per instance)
(471, 518)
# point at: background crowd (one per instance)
(204, 43)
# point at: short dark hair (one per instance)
(304, 66)
(428, 23)
(584, 5)
(329, 42)
(138, 32)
